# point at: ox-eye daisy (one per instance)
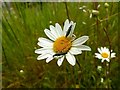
(62, 44)
(104, 54)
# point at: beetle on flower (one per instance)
(62, 44)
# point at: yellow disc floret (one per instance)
(104, 55)
(62, 45)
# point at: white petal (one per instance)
(80, 7)
(44, 39)
(49, 34)
(44, 50)
(75, 51)
(80, 41)
(107, 60)
(71, 59)
(106, 50)
(84, 10)
(54, 31)
(98, 6)
(113, 55)
(43, 42)
(49, 59)
(59, 30)
(43, 56)
(84, 23)
(91, 15)
(111, 50)
(66, 25)
(102, 60)
(102, 49)
(98, 56)
(99, 50)
(84, 47)
(60, 60)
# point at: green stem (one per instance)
(67, 10)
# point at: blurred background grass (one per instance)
(24, 23)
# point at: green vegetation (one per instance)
(24, 23)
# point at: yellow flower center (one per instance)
(104, 55)
(62, 45)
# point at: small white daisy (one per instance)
(104, 54)
(62, 44)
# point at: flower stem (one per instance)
(67, 10)
(107, 64)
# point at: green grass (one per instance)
(24, 23)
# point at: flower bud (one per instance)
(98, 6)
(21, 71)
(99, 68)
(101, 80)
(95, 12)
(106, 5)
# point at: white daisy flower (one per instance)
(104, 54)
(62, 44)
